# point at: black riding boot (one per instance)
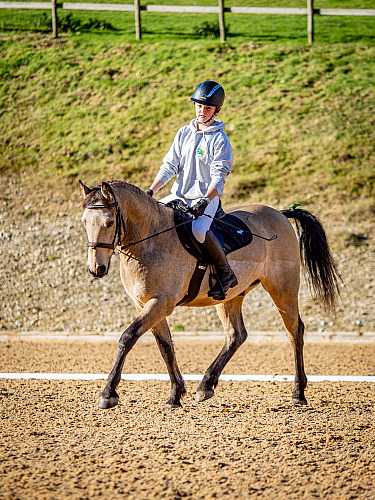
(225, 274)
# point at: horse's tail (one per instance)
(316, 257)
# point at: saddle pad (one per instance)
(228, 229)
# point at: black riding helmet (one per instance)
(209, 93)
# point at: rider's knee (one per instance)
(199, 234)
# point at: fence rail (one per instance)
(136, 7)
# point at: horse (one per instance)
(155, 271)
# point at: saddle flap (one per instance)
(231, 232)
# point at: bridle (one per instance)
(119, 229)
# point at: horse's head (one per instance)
(102, 221)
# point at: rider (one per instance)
(201, 157)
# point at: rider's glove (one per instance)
(198, 209)
(150, 192)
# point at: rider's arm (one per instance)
(156, 185)
(211, 193)
(222, 162)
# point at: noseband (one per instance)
(120, 227)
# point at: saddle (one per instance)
(231, 232)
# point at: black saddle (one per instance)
(231, 232)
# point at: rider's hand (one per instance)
(198, 209)
(150, 192)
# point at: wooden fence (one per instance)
(309, 11)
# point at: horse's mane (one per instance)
(96, 195)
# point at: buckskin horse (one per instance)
(156, 270)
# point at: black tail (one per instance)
(316, 257)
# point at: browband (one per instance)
(102, 206)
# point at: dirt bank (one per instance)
(45, 287)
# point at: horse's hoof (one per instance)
(203, 395)
(169, 406)
(299, 402)
(107, 403)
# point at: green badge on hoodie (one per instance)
(200, 151)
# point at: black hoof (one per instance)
(170, 406)
(299, 402)
(107, 403)
(203, 395)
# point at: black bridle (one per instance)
(119, 229)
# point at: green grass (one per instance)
(102, 106)
(258, 28)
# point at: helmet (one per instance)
(209, 93)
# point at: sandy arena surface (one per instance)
(249, 441)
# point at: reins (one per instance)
(124, 247)
(220, 222)
(120, 223)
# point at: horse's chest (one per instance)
(132, 277)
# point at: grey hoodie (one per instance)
(199, 159)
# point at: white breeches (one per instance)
(202, 224)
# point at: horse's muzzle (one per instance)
(99, 272)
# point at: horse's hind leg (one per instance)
(235, 334)
(164, 341)
(286, 300)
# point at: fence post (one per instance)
(310, 21)
(221, 21)
(138, 30)
(54, 19)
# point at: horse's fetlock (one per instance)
(180, 385)
(109, 392)
(299, 394)
(178, 390)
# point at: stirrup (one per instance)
(216, 290)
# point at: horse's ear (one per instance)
(84, 190)
(106, 191)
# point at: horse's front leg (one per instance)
(164, 340)
(152, 312)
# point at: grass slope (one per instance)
(300, 118)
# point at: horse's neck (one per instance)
(143, 216)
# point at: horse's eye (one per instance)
(110, 223)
